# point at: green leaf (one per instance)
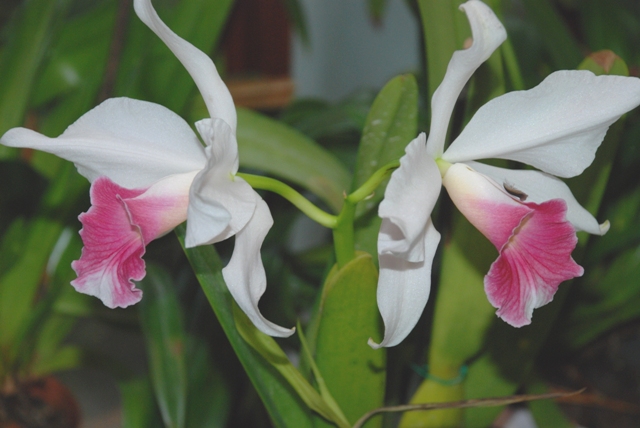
(348, 316)
(19, 285)
(546, 413)
(298, 20)
(209, 395)
(322, 385)
(283, 404)
(161, 319)
(138, 407)
(558, 40)
(445, 28)
(608, 297)
(391, 124)
(21, 58)
(281, 151)
(376, 9)
(267, 347)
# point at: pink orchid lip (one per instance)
(535, 242)
(117, 228)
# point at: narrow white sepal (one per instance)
(245, 276)
(556, 126)
(204, 73)
(539, 187)
(488, 33)
(408, 201)
(134, 143)
(403, 290)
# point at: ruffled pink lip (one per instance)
(533, 261)
(116, 229)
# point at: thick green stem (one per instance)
(343, 234)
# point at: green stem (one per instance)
(293, 196)
(342, 225)
(343, 234)
(368, 187)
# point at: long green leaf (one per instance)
(166, 344)
(22, 57)
(270, 351)
(283, 404)
(283, 152)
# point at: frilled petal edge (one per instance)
(533, 263)
(245, 276)
(403, 289)
(116, 230)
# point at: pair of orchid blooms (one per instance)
(149, 172)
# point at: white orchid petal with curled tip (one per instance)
(403, 289)
(556, 126)
(408, 201)
(245, 276)
(204, 73)
(220, 204)
(134, 143)
(488, 33)
(539, 187)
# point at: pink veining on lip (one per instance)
(534, 259)
(116, 229)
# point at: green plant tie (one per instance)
(424, 372)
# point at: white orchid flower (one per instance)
(149, 172)
(530, 216)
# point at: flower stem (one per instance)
(293, 196)
(342, 225)
(343, 234)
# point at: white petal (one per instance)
(220, 204)
(408, 201)
(556, 126)
(540, 187)
(200, 67)
(245, 276)
(403, 290)
(134, 143)
(488, 33)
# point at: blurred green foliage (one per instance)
(59, 58)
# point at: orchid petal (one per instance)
(539, 187)
(220, 204)
(116, 230)
(134, 143)
(245, 276)
(488, 33)
(556, 126)
(484, 202)
(403, 289)
(535, 242)
(204, 73)
(533, 263)
(408, 201)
